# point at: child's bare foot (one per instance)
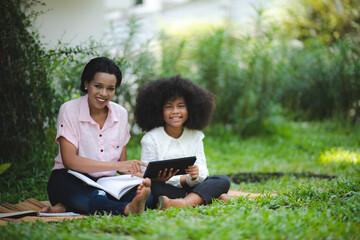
(165, 202)
(224, 198)
(137, 205)
(58, 208)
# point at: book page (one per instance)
(18, 214)
(119, 185)
(57, 214)
(116, 186)
(87, 180)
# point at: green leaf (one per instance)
(4, 167)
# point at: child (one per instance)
(173, 111)
(92, 134)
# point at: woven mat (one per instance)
(29, 205)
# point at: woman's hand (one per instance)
(165, 175)
(130, 167)
(193, 171)
(139, 174)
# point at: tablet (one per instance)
(153, 168)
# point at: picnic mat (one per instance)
(29, 207)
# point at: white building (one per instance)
(75, 21)
(71, 21)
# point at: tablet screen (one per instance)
(153, 168)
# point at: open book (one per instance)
(116, 186)
(35, 213)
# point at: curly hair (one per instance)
(99, 64)
(153, 95)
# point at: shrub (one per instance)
(30, 103)
(321, 81)
(327, 21)
(239, 70)
(135, 59)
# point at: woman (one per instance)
(92, 133)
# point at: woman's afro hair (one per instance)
(153, 95)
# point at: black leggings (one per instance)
(212, 187)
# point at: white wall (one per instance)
(75, 21)
(156, 14)
(71, 21)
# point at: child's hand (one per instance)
(193, 171)
(165, 175)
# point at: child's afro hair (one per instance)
(153, 95)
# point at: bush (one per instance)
(321, 78)
(321, 81)
(327, 21)
(30, 101)
(239, 70)
(239, 73)
(136, 61)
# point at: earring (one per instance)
(85, 88)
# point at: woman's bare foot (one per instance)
(58, 208)
(137, 205)
(224, 198)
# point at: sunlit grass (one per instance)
(188, 28)
(340, 155)
(292, 147)
(303, 208)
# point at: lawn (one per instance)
(313, 166)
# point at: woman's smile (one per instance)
(100, 91)
(100, 100)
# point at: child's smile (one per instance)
(175, 114)
(175, 119)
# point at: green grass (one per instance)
(305, 207)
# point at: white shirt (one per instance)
(158, 145)
(106, 144)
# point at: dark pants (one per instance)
(212, 187)
(77, 196)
